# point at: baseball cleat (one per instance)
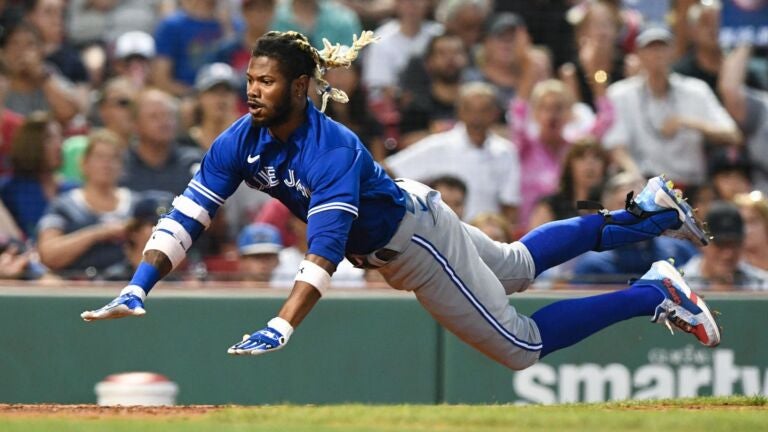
(130, 302)
(659, 195)
(681, 307)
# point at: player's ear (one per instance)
(301, 86)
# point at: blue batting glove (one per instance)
(130, 302)
(271, 338)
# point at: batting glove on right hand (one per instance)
(130, 302)
(268, 339)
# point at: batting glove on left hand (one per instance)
(271, 338)
(130, 302)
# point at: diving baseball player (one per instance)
(320, 170)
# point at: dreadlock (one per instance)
(298, 57)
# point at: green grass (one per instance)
(701, 414)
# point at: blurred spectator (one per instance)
(371, 12)
(10, 13)
(600, 59)
(186, 40)
(355, 114)
(430, 86)
(705, 58)
(663, 118)
(83, 230)
(115, 103)
(505, 46)
(583, 173)
(34, 84)
(402, 38)
(493, 225)
(547, 23)
(98, 21)
(472, 152)
(543, 130)
(17, 261)
(156, 161)
(217, 88)
(465, 19)
(147, 209)
(294, 235)
(729, 172)
(749, 107)
(258, 247)
(318, 19)
(47, 16)
(619, 265)
(753, 207)
(9, 123)
(720, 266)
(453, 192)
(35, 156)
(133, 55)
(257, 15)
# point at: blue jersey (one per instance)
(323, 174)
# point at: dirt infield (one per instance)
(37, 410)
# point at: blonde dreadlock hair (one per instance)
(298, 57)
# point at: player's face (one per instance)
(269, 92)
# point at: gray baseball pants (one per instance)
(462, 278)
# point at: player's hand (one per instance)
(271, 338)
(130, 302)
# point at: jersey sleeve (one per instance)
(334, 182)
(218, 177)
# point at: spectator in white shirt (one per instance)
(663, 119)
(487, 163)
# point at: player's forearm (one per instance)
(714, 133)
(305, 295)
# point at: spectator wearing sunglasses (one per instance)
(114, 111)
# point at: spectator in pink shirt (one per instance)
(545, 120)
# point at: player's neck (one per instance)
(284, 130)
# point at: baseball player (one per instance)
(320, 170)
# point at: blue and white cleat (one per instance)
(130, 302)
(681, 306)
(659, 195)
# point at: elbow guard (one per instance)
(170, 238)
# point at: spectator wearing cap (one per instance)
(753, 207)
(186, 40)
(83, 229)
(729, 172)
(217, 88)
(115, 105)
(133, 54)
(663, 119)
(720, 267)
(749, 107)
(148, 208)
(619, 265)
(236, 51)
(258, 248)
(318, 20)
(499, 59)
(156, 161)
(34, 84)
(404, 37)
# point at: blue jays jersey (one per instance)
(323, 174)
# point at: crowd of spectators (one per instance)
(513, 110)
